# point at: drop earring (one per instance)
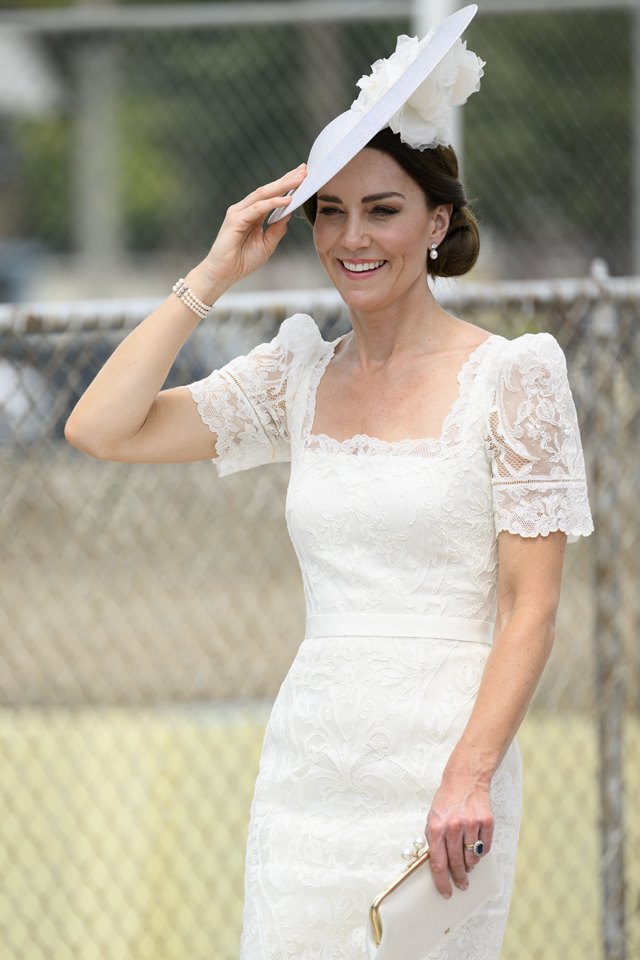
(433, 253)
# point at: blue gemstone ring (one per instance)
(477, 847)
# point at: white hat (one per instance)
(397, 96)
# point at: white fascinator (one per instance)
(413, 92)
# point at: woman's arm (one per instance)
(530, 572)
(124, 414)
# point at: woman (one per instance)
(436, 472)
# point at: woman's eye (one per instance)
(384, 211)
(378, 211)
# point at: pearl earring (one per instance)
(433, 253)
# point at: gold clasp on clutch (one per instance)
(417, 853)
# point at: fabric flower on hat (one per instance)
(424, 119)
(384, 73)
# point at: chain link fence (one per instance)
(149, 613)
(125, 133)
(143, 630)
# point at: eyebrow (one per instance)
(369, 199)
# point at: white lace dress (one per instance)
(398, 553)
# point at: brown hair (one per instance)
(435, 170)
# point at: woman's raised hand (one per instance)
(242, 246)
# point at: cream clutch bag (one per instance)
(409, 918)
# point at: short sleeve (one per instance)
(245, 402)
(538, 472)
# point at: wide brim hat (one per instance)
(351, 131)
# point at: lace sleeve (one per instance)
(538, 473)
(245, 402)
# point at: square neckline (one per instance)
(324, 440)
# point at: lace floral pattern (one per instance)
(355, 748)
(397, 534)
(539, 482)
(246, 403)
(362, 727)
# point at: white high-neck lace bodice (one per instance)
(397, 544)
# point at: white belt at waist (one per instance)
(398, 625)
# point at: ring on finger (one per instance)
(476, 847)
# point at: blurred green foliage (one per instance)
(555, 111)
(45, 147)
(185, 153)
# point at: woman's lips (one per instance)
(367, 268)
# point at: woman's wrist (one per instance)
(204, 284)
(474, 765)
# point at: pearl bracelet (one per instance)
(188, 297)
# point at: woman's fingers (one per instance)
(242, 246)
(251, 211)
(450, 860)
(439, 862)
(455, 856)
(470, 858)
(274, 233)
(483, 833)
(276, 189)
(258, 209)
(447, 857)
(457, 817)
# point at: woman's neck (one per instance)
(415, 325)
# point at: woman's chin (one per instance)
(359, 298)
(360, 304)
(373, 294)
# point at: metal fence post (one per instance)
(426, 14)
(609, 659)
(97, 202)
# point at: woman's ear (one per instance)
(441, 219)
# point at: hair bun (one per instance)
(460, 248)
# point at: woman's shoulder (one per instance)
(299, 333)
(283, 358)
(299, 349)
(526, 352)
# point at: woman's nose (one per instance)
(355, 235)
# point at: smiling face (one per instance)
(372, 232)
